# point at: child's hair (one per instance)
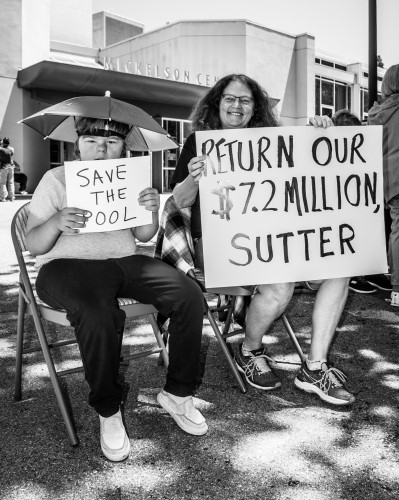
(99, 126)
(345, 118)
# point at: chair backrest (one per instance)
(18, 235)
(18, 229)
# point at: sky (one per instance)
(340, 26)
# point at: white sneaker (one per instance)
(185, 414)
(114, 441)
(395, 299)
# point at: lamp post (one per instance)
(372, 52)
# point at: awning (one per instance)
(81, 80)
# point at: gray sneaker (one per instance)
(328, 383)
(256, 369)
(394, 300)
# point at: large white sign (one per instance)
(291, 204)
(109, 190)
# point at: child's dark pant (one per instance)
(88, 291)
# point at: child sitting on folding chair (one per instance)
(85, 273)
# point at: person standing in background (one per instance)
(21, 178)
(7, 189)
(369, 283)
(386, 113)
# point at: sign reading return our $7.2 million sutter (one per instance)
(291, 204)
(109, 191)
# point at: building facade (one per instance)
(57, 50)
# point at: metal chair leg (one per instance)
(19, 347)
(159, 337)
(54, 379)
(225, 349)
(293, 338)
(229, 317)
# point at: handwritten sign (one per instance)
(291, 204)
(109, 190)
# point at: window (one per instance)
(366, 75)
(341, 67)
(60, 152)
(340, 96)
(364, 103)
(327, 92)
(317, 107)
(330, 96)
(349, 105)
(179, 130)
(327, 98)
(330, 64)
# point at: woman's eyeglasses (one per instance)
(231, 99)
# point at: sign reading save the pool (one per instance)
(109, 190)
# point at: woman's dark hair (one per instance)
(205, 115)
(91, 126)
(344, 118)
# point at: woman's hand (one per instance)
(196, 167)
(186, 192)
(70, 219)
(321, 121)
(149, 198)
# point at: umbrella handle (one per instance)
(108, 94)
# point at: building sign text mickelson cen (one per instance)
(158, 71)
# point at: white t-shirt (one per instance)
(49, 198)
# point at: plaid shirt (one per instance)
(174, 243)
(175, 246)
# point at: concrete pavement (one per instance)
(277, 445)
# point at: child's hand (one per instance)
(149, 198)
(70, 219)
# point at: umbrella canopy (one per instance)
(58, 121)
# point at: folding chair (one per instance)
(30, 304)
(175, 246)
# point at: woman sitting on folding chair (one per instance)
(237, 101)
(84, 273)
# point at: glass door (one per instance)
(60, 152)
(179, 130)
